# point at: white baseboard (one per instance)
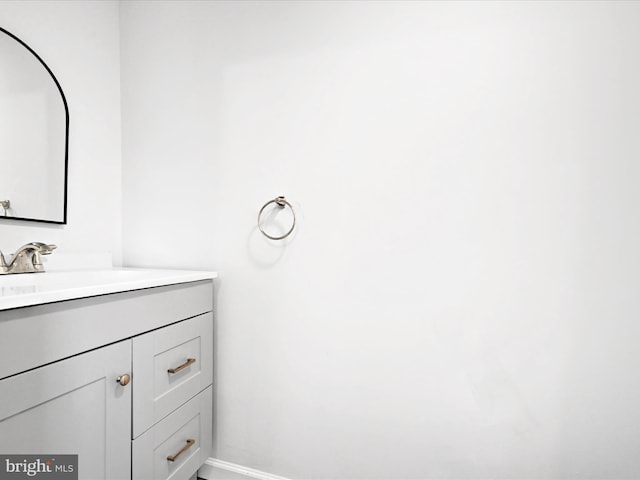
(206, 470)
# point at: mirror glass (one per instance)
(34, 132)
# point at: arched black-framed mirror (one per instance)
(34, 136)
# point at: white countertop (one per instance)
(27, 289)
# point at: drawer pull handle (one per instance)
(173, 458)
(183, 366)
(123, 379)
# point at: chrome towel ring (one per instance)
(280, 202)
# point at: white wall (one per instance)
(79, 41)
(460, 298)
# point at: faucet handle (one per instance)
(47, 249)
(41, 248)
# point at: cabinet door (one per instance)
(171, 365)
(74, 406)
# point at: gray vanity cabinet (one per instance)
(123, 380)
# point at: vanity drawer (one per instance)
(171, 366)
(185, 435)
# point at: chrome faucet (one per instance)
(26, 259)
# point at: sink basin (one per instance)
(27, 289)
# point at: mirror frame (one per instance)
(66, 139)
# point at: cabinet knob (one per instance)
(124, 379)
